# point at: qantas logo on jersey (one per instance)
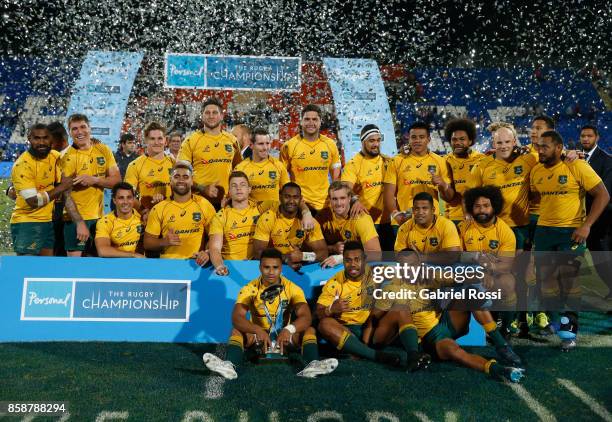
(311, 168)
(216, 160)
(369, 185)
(232, 236)
(156, 185)
(416, 182)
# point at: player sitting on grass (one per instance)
(344, 311)
(255, 333)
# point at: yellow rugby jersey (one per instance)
(31, 173)
(249, 296)
(188, 219)
(211, 157)
(562, 190)
(238, 228)
(149, 177)
(96, 161)
(513, 180)
(338, 229)
(123, 234)
(266, 178)
(498, 238)
(441, 234)
(284, 233)
(309, 164)
(367, 176)
(357, 292)
(460, 169)
(412, 175)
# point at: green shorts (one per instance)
(356, 330)
(71, 243)
(522, 234)
(533, 222)
(30, 238)
(443, 330)
(557, 239)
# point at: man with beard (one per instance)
(493, 245)
(93, 169)
(266, 173)
(212, 152)
(461, 133)
(344, 310)
(600, 237)
(563, 227)
(255, 333)
(364, 174)
(177, 225)
(118, 233)
(282, 229)
(311, 158)
(38, 181)
(149, 174)
(339, 227)
(412, 171)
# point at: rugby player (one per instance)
(339, 227)
(93, 169)
(266, 173)
(119, 232)
(212, 152)
(255, 333)
(282, 230)
(177, 225)
(37, 180)
(563, 226)
(311, 158)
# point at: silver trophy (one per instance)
(268, 296)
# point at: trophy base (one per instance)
(273, 358)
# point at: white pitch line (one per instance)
(214, 384)
(597, 408)
(542, 412)
(451, 417)
(422, 417)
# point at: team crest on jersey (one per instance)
(299, 234)
(518, 170)
(431, 169)
(228, 147)
(324, 155)
(433, 241)
(255, 218)
(272, 175)
(101, 161)
(493, 244)
(562, 179)
(196, 216)
(347, 234)
(139, 229)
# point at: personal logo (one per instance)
(370, 172)
(493, 244)
(207, 149)
(493, 175)
(151, 173)
(562, 179)
(272, 175)
(299, 234)
(171, 219)
(347, 234)
(84, 167)
(431, 169)
(518, 170)
(119, 234)
(228, 148)
(324, 155)
(433, 241)
(377, 167)
(234, 225)
(101, 161)
(197, 216)
(301, 156)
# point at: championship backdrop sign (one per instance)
(359, 99)
(203, 71)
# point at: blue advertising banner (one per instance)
(121, 299)
(102, 91)
(359, 99)
(232, 72)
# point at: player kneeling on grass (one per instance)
(346, 320)
(255, 333)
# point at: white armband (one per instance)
(28, 193)
(336, 165)
(42, 199)
(290, 328)
(337, 259)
